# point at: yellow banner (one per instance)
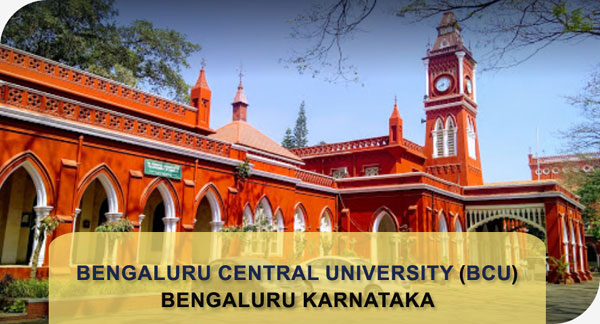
(297, 277)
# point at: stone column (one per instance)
(461, 79)
(426, 63)
(216, 226)
(40, 212)
(113, 217)
(170, 223)
(77, 212)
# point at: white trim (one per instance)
(40, 188)
(275, 176)
(426, 63)
(505, 206)
(262, 159)
(259, 152)
(399, 175)
(307, 185)
(460, 55)
(27, 116)
(452, 104)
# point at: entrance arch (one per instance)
(208, 210)
(159, 208)
(384, 222)
(25, 192)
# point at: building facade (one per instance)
(87, 149)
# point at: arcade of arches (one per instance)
(110, 152)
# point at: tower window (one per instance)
(471, 136)
(438, 139)
(450, 137)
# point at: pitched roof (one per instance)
(240, 96)
(240, 132)
(201, 82)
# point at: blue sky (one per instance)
(388, 53)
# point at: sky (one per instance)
(388, 53)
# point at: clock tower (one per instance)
(451, 142)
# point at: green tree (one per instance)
(288, 139)
(46, 225)
(300, 130)
(84, 34)
(590, 197)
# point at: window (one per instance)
(471, 136)
(450, 137)
(371, 171)
(438, 139)
(546, 171)
(587, 168)
(339, 173)
(555, 170)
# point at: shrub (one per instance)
(26, 289)
(19, 306)
(123, 225)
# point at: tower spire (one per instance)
(200, 97)
(395, 125)
(240, 103)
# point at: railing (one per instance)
(342, 147)
(314, 178)
(412, 146)
(58, 107)
(66, 73)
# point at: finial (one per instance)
(395, 100)
(203, 63)
(241, 74)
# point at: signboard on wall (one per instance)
(162, 169)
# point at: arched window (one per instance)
(325, 225)
(438, 139)
(263, 217)
(247, 217)
(280, 226)
(299, 220)
(450, 137)
(471, 136)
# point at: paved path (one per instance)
(566, 302)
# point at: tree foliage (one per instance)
(585, 136)
(288, 139)
(299, 136)
(84, 34)
(590, 197)
(513, 31)
(300, 130)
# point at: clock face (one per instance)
(442, 84)
(469, 86)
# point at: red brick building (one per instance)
(87, 149)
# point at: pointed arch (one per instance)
(300, 217)
(210, 192)
(266, 206)
(450, 136)
(458, 227)
(438, 138)
(442, 223)
(326, 220)
(381, 216)
(471, 138)
(279, 221)
(38, 173)
(247, 215)
(110, 183)
(168, 194)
